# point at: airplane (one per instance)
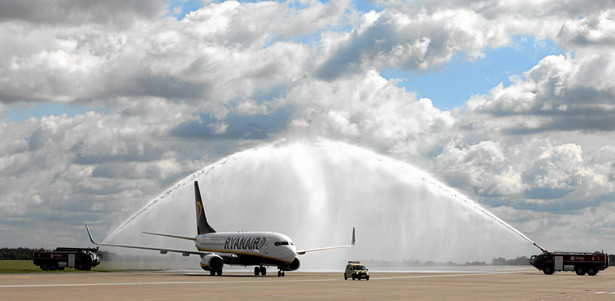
(235, 248)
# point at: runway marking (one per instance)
(235, 282)
(574, 295)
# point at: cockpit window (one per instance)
(281, 243)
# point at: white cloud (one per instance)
(558, 94)
(483, 166)
(408, 39)
(367, 109)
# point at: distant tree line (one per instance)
(517, 261)
(16, 254)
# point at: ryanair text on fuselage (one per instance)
(244, 243)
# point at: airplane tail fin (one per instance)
(202, 226)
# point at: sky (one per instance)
(106, 104)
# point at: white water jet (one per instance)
(315, 192)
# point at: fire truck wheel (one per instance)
(592, 272)
(79, 267)
(548, 270)
(580, 271)
(60, 269)
(53, 267)
(44, 267)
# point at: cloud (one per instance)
(217, 54)
(558, 94)
(233, 126)
(482, 166)
(414, 40)
(368, 110)
(589, 31)
(76, 12)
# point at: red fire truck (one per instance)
(60, 258)
(581, 263)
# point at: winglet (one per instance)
(352, 244)
(90, 235)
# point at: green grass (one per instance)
(27, 266)
(18, 266)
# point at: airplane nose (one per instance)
(290, 253)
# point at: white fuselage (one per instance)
(270, 246)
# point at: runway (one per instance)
(486, 284)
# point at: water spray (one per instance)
(511, 228)
(487, 213)
(394, 197)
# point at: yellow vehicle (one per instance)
(356, 270)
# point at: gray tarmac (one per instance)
(506, 283)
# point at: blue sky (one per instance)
(451, 85)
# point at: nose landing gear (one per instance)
(280, 273)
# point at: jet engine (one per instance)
(212, 262)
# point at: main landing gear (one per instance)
(263, 271)
(260, 270)
(214, 273)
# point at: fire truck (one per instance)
(579, 262)
(78, 258)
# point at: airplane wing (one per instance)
(161, 250)
(302, 252)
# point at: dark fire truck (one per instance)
(581, 263)
(60, 258)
